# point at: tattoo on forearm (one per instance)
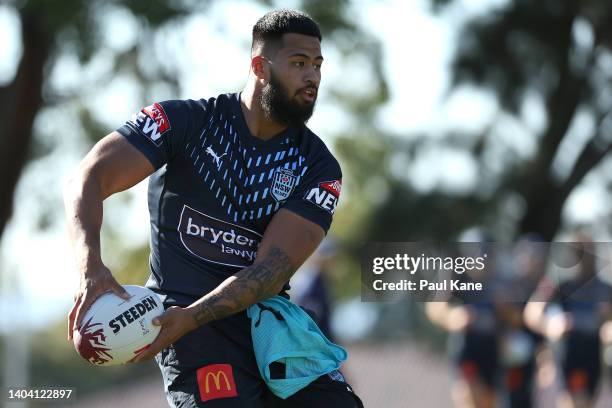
(250, 285)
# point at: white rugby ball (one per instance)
(114, 330)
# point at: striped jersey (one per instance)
(217, 187)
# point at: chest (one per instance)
(241, 182)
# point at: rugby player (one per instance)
(241, 192)
(583, 306)
(471, 319)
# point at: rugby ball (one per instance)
(114, 330)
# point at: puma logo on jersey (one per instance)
(216, 158)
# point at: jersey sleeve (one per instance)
(161, 130)
(316, 197)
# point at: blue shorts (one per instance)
(214, 367)
(476, 357)
(581, 362)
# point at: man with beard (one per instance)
(241, 192)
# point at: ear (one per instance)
(258, 66)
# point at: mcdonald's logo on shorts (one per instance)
(216, 381)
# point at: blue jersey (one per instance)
(217, 187)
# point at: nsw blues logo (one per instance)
(283, 183)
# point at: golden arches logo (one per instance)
(217, 381)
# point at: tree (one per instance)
(556, 54)
(48, 31)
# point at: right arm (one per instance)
(112, 165)
(453, 318)
(536, 317)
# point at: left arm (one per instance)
(288, 241)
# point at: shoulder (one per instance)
(180, 112)
(317, 153)
(187, 106)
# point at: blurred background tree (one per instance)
(50, 31)
(548, 65)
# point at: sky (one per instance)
(38, 273)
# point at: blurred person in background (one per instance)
(310, 286)
(605, 334)
(570, 315)
(470, 318)
(519, 345)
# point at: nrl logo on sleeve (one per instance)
(152, 122)
(283, 183)
(325, 195)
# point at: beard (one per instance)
(280, 107)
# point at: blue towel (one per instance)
(283, 332)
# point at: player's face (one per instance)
(290, 95)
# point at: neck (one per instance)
(259, 125)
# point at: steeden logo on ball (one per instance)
(115, 330)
